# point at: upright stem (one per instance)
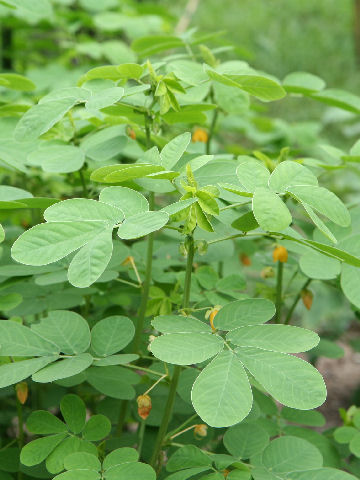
(212, 126)
(19, 408)
(177, 369)
(141, 436)
(146, 286)
(83, 183)
(279, 281)
(295, 302)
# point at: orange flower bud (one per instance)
(280, 254)
(245, 260)
(22, 392)
(144, 406)
(200, 135)
(200, 430)
(128, 260)
(307, 298)
(226, 473)
(267, 272)
(130, 132)
(211, 314)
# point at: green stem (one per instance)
(146, 286)
(122, 417)
(19, 408)
(183, 425)
(213, 124)
(83, 183)
(141, 437)
(295, 302)
(177, 369)
(279, 282)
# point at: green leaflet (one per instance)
(288, 174)
(179, 324)
(269, 210)
(252, 173)
(324, 201)
(40, 118)
(91, 260)
(48, 242)
(57, 158)
(246, 439)
(221, 395)
(64, 368)
(111, 335)
(82, 210)
(278, 338)
(11, 373)
(290, 380)
(142, 224)
(263, 88)
(303, 83)
(18, 340)
(250, 311)
(186, 348)
(173, 151)
(104, 98)
(66, 329)
(129, 201)
(113, 72)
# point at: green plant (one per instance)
(124, 222)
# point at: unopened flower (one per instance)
(131, 133)
(280, 254)
(151, 339)
(211, 314)
(267, 272)
(307, 298)
(245, 260)
(144, 406)
(200, 430)
(200, 135)
(22, 392)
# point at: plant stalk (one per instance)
(295, 302)
(177, 369)
(279, 282)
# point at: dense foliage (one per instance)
(168, 244)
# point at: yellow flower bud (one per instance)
(200, 135)
(280, 254)
(200, 430)
(22, 392)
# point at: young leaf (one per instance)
(104, 98)
(186, 348)
(123, 173)
(58, 158)
(221, 395)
